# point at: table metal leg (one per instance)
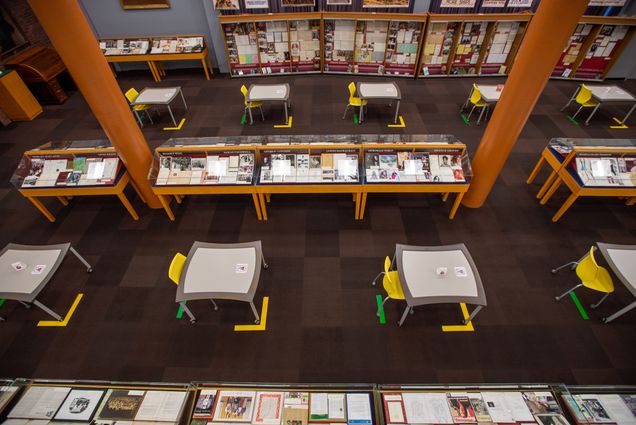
(48, 310)
(171, 115)
(258, 319)
(265, 265)
(619, 312)
(629, 113)
(481, 114)
(361, 113)
(397, 111)
(185, 308)
(286, 114)
(89, 268)
(473, 314)
(26, 305)
(587, 121)
(183, 98)
(138, 118)
(216, 307)
(406, 313)
(249, 109)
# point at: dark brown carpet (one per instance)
(321, 325)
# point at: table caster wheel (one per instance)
(257, 322)
(604, 320)
(216, 308)
(193, 321)
(557, 298)
(266, 266)
(554, 271)
(89, 270)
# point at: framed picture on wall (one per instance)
(226, 4)
(297, 3)
(145, 4)
(256, 4)
(457, 3)
(338, 2)
(369, 4)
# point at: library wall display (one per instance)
(297, 3)
(457, 3)
(370, 4)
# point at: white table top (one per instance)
(378, 90)
(611, 93)
(159, 96)
(227, 271)
(258, 92)
(489, 92)
(417, 267)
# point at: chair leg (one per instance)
(216, 307)
(412, 310)
(345, 112)
(577, 112)
(593, 306)
(149, 117)
(571, 264)
(376, 278)
(567, 292)
(262, 115)
(470, 113)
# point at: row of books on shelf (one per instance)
(606, 171)
(76, 171)
(142, 46)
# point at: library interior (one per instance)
(469, 256)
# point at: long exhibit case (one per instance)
(469, 44)
(594, 46)
(372, 44)
(272, 43)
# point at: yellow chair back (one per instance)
(588, 268)
(244, 91)
(131, 95)
(475, 96)
(176, 267)
(584, 95)
(352, 89)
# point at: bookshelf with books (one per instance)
(415, 164)
(204, 166)
(588, 167)
(595, 45)
(69, 169)
(155, 50)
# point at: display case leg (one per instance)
(40, 206)
(166, 207)
(128, 206)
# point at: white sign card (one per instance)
(458, 3)
(256, 4)
(519, 3)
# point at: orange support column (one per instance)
(66, 26)
(549, 30)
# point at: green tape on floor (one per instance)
(355, 119)
(243, 120)
(465, 119)
(180, 312)
(573, 120)
(577, 302)
(2, 302)
(378, 300)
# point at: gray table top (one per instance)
(259, 92)
(23, 285)
(622, 261)
(224, 271)
(611, 94)
(157, 96)
(378, 91)
(417, 268)
(489, 92)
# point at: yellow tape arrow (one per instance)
(288, 125)
(263, 323)
(468, 327)
(401, 124)
(177, 127)
(622, 124)
(69, 313)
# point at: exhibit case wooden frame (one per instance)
(563, 156)
(154, 60)
(30, 178)
(594, 47)
(464, 44)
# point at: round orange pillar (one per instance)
(545, 38)
(66, 26)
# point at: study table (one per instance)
(490, 93)
(418, 268)
(159, 96)
(269, 93)
(388, 91)
(622, 261)
(606, 94)
(221, 271)
(38, 264)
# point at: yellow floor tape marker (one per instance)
(401, 124)
(177, 127)
(69, 313)
(622, 124)
(288, 125)
(460, 328)
(261, 326)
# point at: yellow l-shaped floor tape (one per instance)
(69, 313)
(468, 327)
(261, 326)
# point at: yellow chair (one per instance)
(131, 95)
(174, 273)
(250, 105)
(584, 99)
(592, 276)
(391, 284)
(354, 101)
(478, 102)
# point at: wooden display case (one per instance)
(468, 44)
(68, 169)
(272, 43)
(594, 47)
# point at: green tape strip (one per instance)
(577, 302)
(2, 302)
(180, 312)
(573, 120)
(355, 118)
(243, 120)
(378, 300)
(465, 119)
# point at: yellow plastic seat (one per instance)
(478, 102)
(592, 276)
(176, 267)
(354, 101)
(251, 105)
(131, 95)
(584, 99)
(391, 284)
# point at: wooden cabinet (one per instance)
(16, 101)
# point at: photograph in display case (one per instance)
(256, 4)
(385, 3)
(79, 405)
(338, 2)
(226, 4)
(234, 406)
(297, 3)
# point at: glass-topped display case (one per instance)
(273, 45)
(9, 390)
(339, 45)
(304, 35)
(177, 44)
(124, 46)
(69, 164)
(242, 48)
